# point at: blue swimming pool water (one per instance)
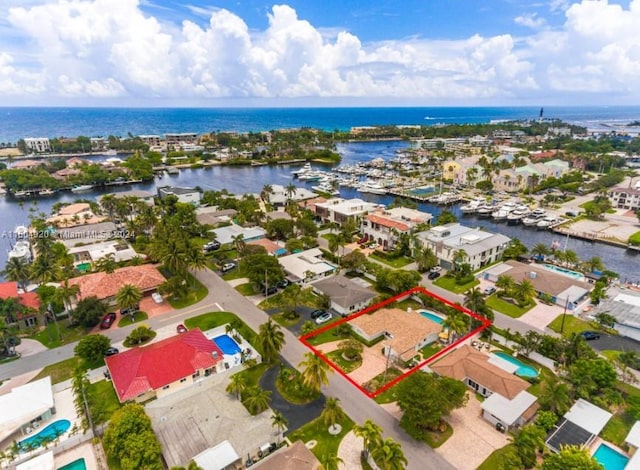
(523, 369)
(610, 458)
(75, 465)
(566, 272)
(227, 344)
(50, 432)
(432, 316)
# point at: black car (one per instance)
(108, 320)
(270, 290)
(590, 335)
(317, 313)
(282, 284)
(433, 276)
(129, 310)
(111, 351)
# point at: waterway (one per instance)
(251, 180)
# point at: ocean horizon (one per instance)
(19, 122)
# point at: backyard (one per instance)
(207, 321)
(317, 430)
(510, 309)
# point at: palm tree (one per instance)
(594, 264)
(540, 250)
(107, 264)
(65, 292)
(257, 399)
(473, 299)
(524, 290)
(43, 269)
(290, 191)
(267, 190)
(17, 270)
(238, 243)
(555, 396)
(571, 257)
(270, 339)
(280, 422)
(459, 256)
(128, 296)
(237, 385)
(426, 259)
(332, 413)
(389, 456)
(315, 371)
(457, 323)
(307, 327)
(331, 462)
(109, 203)
(370, 433)
(506, 283)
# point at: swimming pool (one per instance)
(523, 369)
(75, 465)
(610, 458)
(227, 344)
(432, 316)
(49, 433)
(566, 272)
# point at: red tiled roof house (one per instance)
(164, 367)
(26, 314)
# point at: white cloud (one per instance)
(107, 49)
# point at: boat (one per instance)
(534, 217)
(486, 210)
(21, 193)
(47, 192)
(111, 152)
(546, 222)
(326, 188)
(473, 206)
(22, 251)
(305, 169)
(82, 187)
(516, 215)
(311, 176)
(371, 187)
(501, 214)
(173, 171)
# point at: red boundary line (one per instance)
(416, 290)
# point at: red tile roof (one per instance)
(376, 219)
(140, 370)
(145, 277)
(10, 290)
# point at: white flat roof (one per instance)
(299, 263)
(41, 462)
(23, 404)
(508, 411)
(633, 437)
(588, 416)
(217, 457)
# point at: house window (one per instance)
(183, 380)
(30, 321)
(166, 387)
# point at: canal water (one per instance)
(249, 179)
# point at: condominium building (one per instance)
(38, 144)
(625, 198)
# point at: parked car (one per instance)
(374, 246)
(269, 290)
(316, 313)
(181, 328)
(211, 246)
(111, 351)
(489, 290)
(325, 317)
(282, 284)
(129, 310)
(590, 335)
(433, 275)
(157, 297)
(435, 269)
(108, 320)
(226, 267)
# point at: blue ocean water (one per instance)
(16, 122)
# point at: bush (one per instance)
(139, 336)
(465, 280)
(92, 348)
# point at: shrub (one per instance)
(139, 336)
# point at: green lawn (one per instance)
(293, 390)
(247, 289)
(345, 366)
(388, 396)
(103, 401)
(571, 325)
(126, 320)
(509, 309)
(60, 371)
(281, 320)
(253, 374)
(496, 460)
(306, 298)
(433, 439)
(327, 444)
(617, 428)
(206, 321)
(69, 334)
(430, 349)
(635, 239)
(197, 292)
(327, 337)
(449, 283)
(397, 263)
(610, 354)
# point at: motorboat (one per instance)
(22, 251)
(47, 192)
(473, 206)
(82, 187)
(546, 222)
(486, 210)
(516, 215)
(326, 188)
(534, 217)
(306, 168)
(371, 187)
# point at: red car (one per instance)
(181, 328)
(108, 320)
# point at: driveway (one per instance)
(473, 439)
(541, 315)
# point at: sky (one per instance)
(329, 52)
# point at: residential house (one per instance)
(347, 295)
(71, 215)
(164, 367)
(38, 144)
(306, 266)
(184, 195)
(463, 171)
(509, 180)
(279, 196)
(270, 246)
(230, 233)
(173, 141)
(339, 210)
(144, 196)
(625, 308)
(152, 140)
(481, 248)
(75, 162)
(625, 198)
(509, 413)
(564, 289)
(87, 234)
(105, 286)
(24, 408)
(580, 426)
(65, 173)
(26, 164)
(476, 370)
(385, 226)
(297, 456)
(29, 304)
(219, 457)
(120, 250)
(633, 443)
(405, 332)
(214, 216)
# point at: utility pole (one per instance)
(386, 367)
(564, 314)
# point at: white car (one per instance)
(325, 317)
(436, 269)
(157, 298)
